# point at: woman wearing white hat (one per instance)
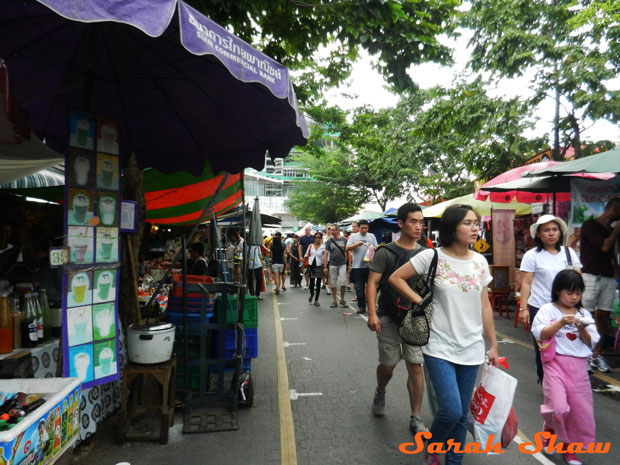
(539, 267)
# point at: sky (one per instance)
(370, 88)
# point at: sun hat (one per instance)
(545, 219)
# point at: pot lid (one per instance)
(153, 326)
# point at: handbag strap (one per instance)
(432, 270)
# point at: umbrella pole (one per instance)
(202, 218)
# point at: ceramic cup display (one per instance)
(104, 283)
(108, 137)
(107, 206)
(105, 360)
(104, 322)
(79, 285)
(80, 207)
(81, 362)
(81, 166)
(106, 246)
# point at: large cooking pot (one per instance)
(150, 342)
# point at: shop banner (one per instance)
(503, 240)
(588, 201)
(90, 281)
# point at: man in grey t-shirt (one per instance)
(335, 249)
(359, 243)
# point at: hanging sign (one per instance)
(92, 219)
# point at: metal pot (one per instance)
(149, 343)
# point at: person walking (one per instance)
(391, 346)
(461, 312)
(538, 269)
(335, 262)
(255, 271)
(598, 240)
(198, 263)
(277, 262)
(359, 243)
(294, 261)
(304, 242)
(568, 410)
(315, 267)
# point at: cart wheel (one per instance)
(246, 390)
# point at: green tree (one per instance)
(327, 197)
(398, 32)
(570, 59)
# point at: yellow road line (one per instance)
(288, 451)
(598, 374)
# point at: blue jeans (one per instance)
(453, 385)
(361, 277)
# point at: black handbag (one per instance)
(415, 327)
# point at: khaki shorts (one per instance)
(599, 294)
(277, 267)
(338, 276)
(392, 348)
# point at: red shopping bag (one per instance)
(262, 281)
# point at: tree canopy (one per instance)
(571, 56)
(398, 32)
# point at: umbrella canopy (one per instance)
(53, 177)
(483, 208)
(184, 89)
(363, 216)
(605, 162)
(256, 226)
(180, 198)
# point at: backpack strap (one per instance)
(569, 261)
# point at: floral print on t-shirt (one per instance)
(465, 282)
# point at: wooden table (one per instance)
(135, 401)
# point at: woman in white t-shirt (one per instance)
(315, 267)
(539, 268)
(461, 311)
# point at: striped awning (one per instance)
(180, 198)
(51, 177)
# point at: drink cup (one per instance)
(80, 246)
(80, 207)
(105, 360)
(108, 137)
(107, 173)
(81, 362)
(104, 283)
(106, 246)
(107, 206)
(79, 284)
(104, 323)
(81, 166)
(82, 129)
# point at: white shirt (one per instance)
(456, 325)
(567, 341)
(359, 252)
(545, 267)
(315, 255)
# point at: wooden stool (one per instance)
(134, 377)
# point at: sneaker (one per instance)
(329, 292)
(572, 459)
(602, 366)
(333, 305)
(378, 404)
(305, 288)
(593, 365)
(343, 304)
(431, 459)
(416, 425)
(545, 441)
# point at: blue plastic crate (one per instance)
(251, 343)
(193, 321)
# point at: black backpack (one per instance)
(390, 301)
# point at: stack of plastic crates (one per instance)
(250, 330)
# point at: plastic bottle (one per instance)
(16, 319)
(6, 326)
(39, 313)
(29, 324)
(47, 314)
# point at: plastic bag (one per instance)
(509, 431)
(370, 254)
(491, 404)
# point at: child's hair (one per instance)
(569, 280)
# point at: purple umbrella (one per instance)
(184, 89)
